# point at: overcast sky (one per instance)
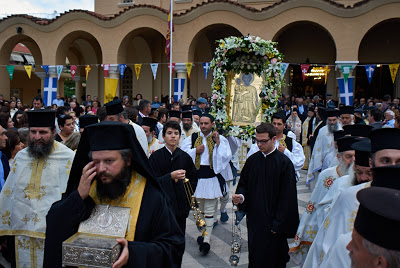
(43, 6)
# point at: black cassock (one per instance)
(163, 163)
(159, 242)
(268, 185)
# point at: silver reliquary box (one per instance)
(94, 244)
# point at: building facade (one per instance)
(319, 32)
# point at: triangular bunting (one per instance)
(154, 67)
(206, 67)
(171, 69)
(189, 66)
(10, 70)
(369, 69)
(28, 69)
(304, 70)
(393, 70)
(327, 70)
(59, 71)
(73, 71)
(106, 68)
(87, 69)
(122, 68)
(46, 68)
(138, 67)
(284, 67)
(346, 69)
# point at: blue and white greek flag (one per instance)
(346, 90)
(206, 67)
(179, 84)
(50, 90)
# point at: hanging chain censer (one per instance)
(194, 205)
(236, 239)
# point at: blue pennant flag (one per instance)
(179, 84)
(122, 68)
(346, 90)
(46, 68)
(50, 90)
(206, 67)
(370, 71)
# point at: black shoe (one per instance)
(204, 248)
(200, 240)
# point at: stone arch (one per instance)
(201, 50)
(82, 48)
(145, 46)
(306, 42)
(27, 88)
(379, 46)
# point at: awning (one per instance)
(16, 58)
(29, 59)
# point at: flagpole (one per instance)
(170, 50)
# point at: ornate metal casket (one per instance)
(94, 244)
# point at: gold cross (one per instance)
(36, 219)
(311, 232)
(8, 192)
(25, 219)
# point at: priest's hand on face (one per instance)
(88, 173)
(215, 137)
(200, 149)
(237, 199)
(124, 257)
(281, 148)
(179, 174)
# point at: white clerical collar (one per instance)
(168, 149)
(142, 115)
(201, 134)
(265, 155)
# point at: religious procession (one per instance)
(239, 155)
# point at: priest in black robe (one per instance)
(172, 166)
(157, 241)
(267, 193)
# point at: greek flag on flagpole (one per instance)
(50, 90)
(179, 84)
(346, 90)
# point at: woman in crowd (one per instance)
(6, 121)
(137, 100)
(13, 144)
(17, 117)
(95, 107)
(67, 126)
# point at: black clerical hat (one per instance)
(186, 108)
(385, 138)
(187, 114)
(387, 176)
(87, 120)
(338, 134)
(150, 122)
(346, 110)
(209, 116)
(295, 110)
(331, 112)
(378, 217)
(174, 113)
(41, 118)
(357, 130)
(363, 151)
(345, 143)
(197, 112)
(107, 137)
(114, 107)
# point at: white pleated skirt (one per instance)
(208, 188)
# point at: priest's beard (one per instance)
(117, 187)
(187, 126)
(40, 148)
(333, 127)
(344, 169)
(149, 139)
(354, 180)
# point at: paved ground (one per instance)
(222, 237)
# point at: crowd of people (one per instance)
(58, 163)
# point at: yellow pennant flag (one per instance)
(28, 69)
(110, 89)
(393, 70)
(189, 66)
(327, 69)
(138, 67)
(87, 69)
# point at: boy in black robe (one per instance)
(171, 165)
(267, 193)
(158, 240)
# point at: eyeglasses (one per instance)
(262, 142)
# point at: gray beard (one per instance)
(333, 127)
(149, 139)
(42, 150)
(344, 169)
